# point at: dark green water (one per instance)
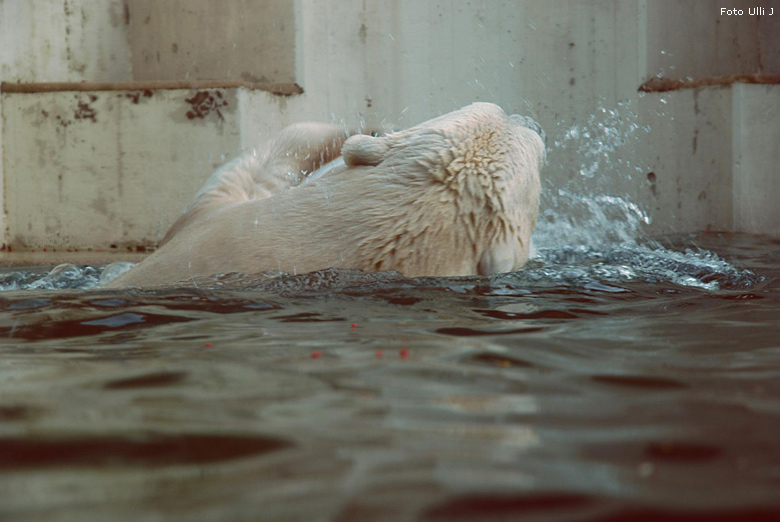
(628, 382)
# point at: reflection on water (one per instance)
(611, 380)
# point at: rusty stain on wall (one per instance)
(204, 103)
(668, 84)
(84, 109)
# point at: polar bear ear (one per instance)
(362, 149)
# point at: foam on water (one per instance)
(607, 242)
(64, 277)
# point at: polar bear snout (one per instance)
(362, 149)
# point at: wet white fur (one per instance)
(456, 195)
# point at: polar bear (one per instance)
(454, 196)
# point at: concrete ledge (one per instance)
(281, 89)
(42, 259)
(668, 84)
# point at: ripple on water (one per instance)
(69, 328)
(150, 380)
(639, 382)
(139, 450)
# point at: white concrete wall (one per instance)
(690, 38)
(48, 41)
(247, 40)
(770, 39)
(756, 167)
(575, 66)
(68, 40)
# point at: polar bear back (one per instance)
(456, 195)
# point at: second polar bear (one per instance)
(456, 195)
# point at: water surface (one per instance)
(609, 380)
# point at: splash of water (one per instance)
(588, 234)
(65, 276)
(599, 141)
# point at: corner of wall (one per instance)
(642, 41)
(300, 44)
(756, 110)
(2, 173)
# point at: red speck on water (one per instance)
(404, 353)
(207, 345)
(354, 325)
(316, 355)
(378, 354)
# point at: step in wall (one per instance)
(112, 166)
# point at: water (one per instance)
(600, 384)
(617, 377)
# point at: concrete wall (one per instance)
(690, 38)
(68, 40)
(203, 39)
(756, 161)
(147, 40)
(576, 66)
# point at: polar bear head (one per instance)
(469, 184)
(478, 120)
